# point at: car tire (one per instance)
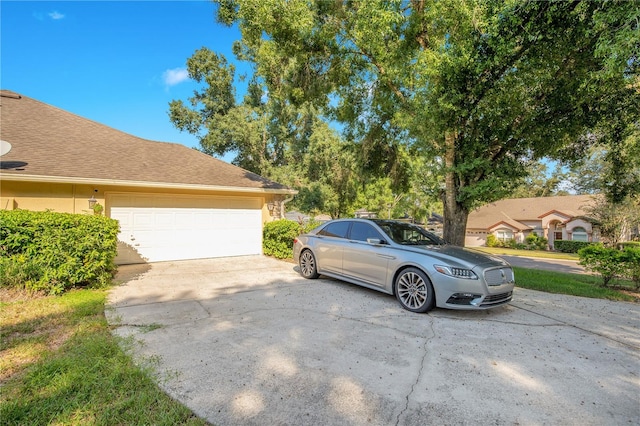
(414, 291)
(308, 266)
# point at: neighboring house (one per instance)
(322, 218)
(365, 214)
(296, 216)
(172, 202)
(305, 218)
(554, 218)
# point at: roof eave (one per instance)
(510, 225)
(142, 184)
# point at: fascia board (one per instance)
(140, 184)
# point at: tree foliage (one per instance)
(480, 87)
(540, 183)
(617, 221)
(612, 170)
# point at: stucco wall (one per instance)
(40, 196)
(74, 198)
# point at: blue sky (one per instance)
(119, 63)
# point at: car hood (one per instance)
(461, 254)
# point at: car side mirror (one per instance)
(375, 241)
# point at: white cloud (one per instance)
(55, 15)
(175, 76)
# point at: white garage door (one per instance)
(161, 227)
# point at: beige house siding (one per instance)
(73, 198)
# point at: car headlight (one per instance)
(456, 272)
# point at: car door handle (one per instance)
(386, 256)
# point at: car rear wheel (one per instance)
(308, 267)
(414, 290)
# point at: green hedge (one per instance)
(626, 244)
(565, 246)
(53, 252)
(278, 237)
(531, 242)
(611, 263)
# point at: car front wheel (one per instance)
(414, 290)
(308, 267)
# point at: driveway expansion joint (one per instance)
(419, 375)
(566, 324)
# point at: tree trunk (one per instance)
(455, 224)
(455, 215)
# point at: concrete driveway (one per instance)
(246, 340)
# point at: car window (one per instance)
(336, 229)
(361, 231)
(407, 234)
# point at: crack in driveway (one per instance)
(419, 375)
(567, 324)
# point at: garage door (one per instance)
(157, 228)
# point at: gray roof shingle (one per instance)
(50, 142)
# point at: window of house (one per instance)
(504, 234)
(579, 234)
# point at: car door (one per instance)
(364, 260)
(329, 245)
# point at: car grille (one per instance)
(497, 299)
(498, 276)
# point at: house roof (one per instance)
(53, 145)
(514, 224)
(517, 211)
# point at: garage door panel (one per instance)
(163, 219)
(174, 228)
(143, 219)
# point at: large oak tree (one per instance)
(480, 88)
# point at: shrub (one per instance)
(534, 242)
(631, 264)
(626, 244)
(608, 262)
(278, 236)
(564, 246)
(492, 241)
(510, 243)
(52, 252)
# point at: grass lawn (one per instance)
(574, 285)
(528, 253)
(60, 364)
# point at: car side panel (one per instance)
(367, 262)
(329, 253)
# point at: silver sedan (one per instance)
(402, 259)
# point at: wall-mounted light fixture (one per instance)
(92, 201)
(271, 206)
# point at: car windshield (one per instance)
(408, 234)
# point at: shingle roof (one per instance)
(512, 223)
(527, 209)
(50, 142)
